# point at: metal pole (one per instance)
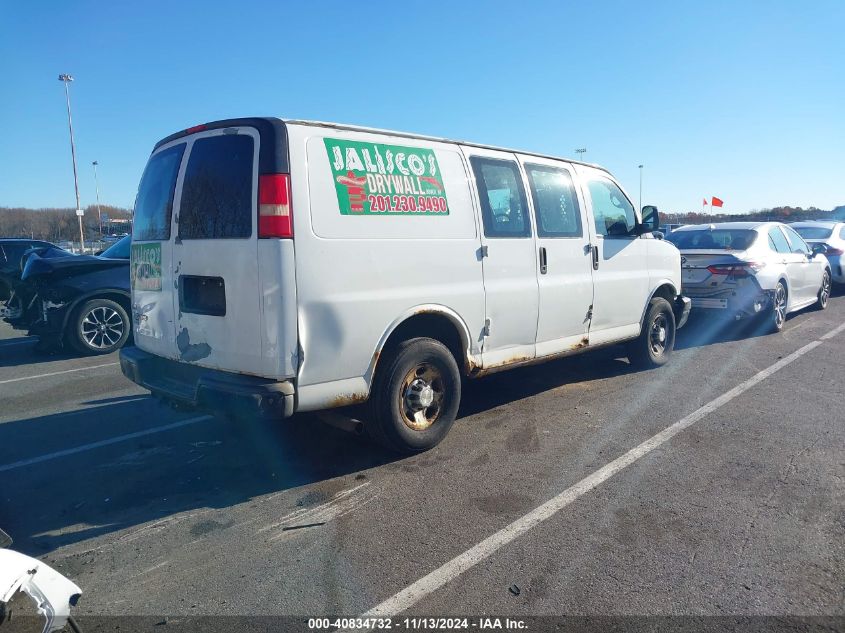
(66, 79)
(641, 187)
(97, 187)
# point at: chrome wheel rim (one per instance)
(422, 395)
(102, 327)
(824, 293)
(658, 335)
(780, 305)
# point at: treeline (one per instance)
(777, 214)
(56, 225)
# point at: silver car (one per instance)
(832, 235)
(751, 269)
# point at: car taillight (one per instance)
(736, 270)
(274, 208)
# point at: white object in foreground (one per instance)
(53, 593)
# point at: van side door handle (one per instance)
(595, 257)
(544, 262)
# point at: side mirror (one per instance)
(819, 249)
(651, 220)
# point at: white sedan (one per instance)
(744, 269)
(832, 235)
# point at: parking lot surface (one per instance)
(739, 510)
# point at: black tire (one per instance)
(653, 347)
(823, 298)
(98, 326)
(399, 388)
(775, 319)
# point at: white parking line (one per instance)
(833, 333)
(56, 373)
(426, 585)
(114, 440)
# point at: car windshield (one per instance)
(718, 239)
(813, 232)
(118, 250)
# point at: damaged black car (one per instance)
(81, 302)
(12, 252)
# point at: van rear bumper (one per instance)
(209, 389)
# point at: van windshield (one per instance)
(154, 204)
(717, 239)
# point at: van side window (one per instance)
(799, 246)
(612, 212)
(154, 203)
(555, 203)
(777, 241)
(217, 191)
(502, 196)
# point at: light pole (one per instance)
(641, 187)
(581, 151)
(66, 79)
(97, 188)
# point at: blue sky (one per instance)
(741, 100)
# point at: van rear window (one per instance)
(154, 204)
(217, 191)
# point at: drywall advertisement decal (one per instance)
(377, 179)
(145, 266)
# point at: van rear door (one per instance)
(213, 272)
(215, 286)
(151, 254)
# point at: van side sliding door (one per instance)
(509, 260)
(564, 256)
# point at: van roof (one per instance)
(438, 139)
(261, 122)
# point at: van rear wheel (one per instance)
(654, 345)
(415, 396)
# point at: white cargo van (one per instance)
(287, 266)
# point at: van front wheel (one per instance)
(654, 345)
(415, 396)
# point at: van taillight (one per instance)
(274, 212)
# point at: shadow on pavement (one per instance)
(217, 463)
(517, 384)
(23, 351)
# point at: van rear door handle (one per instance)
(595, 257)
(543, 261)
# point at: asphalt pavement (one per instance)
(712, 486)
